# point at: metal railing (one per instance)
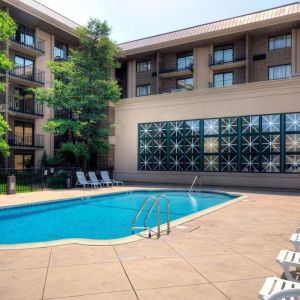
(174, 90)
(224, 83)
(155, 203)
(27, 140)
(187, 68)
(36, 44)
(28, 73)
(25, 106)
(27, 180)
(215, 62)
(194, 181)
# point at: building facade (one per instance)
(220, 99)
(42, 35)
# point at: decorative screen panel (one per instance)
(292, 143)
(263, 143)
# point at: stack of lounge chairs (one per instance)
(94, 181)
(279, 289)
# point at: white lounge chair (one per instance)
(295, 240)
(289, 259)
(94, 179)
(106, 178)
(278, 289)
(81, 180)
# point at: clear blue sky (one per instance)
(133, 19)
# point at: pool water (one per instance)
(100, 217)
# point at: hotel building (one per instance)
(220, 99)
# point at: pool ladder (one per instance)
(155, 203)
(195, 179)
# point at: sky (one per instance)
(134, 19)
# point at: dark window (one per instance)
(143, 90)
(280, 41)
(223, 79)
(61, 51)
(184, 61)
(143, 66)
(223, 54)
(24, 67)
(25, 35)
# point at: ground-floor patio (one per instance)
(223, 255)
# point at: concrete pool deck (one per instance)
(222, 255)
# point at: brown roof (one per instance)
(276, 12)
(44, 10)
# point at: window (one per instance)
(279, 72)
(61, 51)
(223, 54)
(23, 161)
(23, 133)
(25, 35)
(143, 66)
(143, 90)
(184, 61)
(184, 83)
(223, 79)
(279, 42)
(24, 67)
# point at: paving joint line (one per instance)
(121, 263)
(199, 273)
(44, 287)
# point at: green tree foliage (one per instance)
(4, 148)
(7, 29)
(82, 89)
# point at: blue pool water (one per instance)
(100, 217)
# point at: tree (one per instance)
(82, 89)
(7, 29)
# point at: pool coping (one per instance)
(124, 240)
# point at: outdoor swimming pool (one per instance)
(102, 217)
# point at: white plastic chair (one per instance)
(94, 179)
(106, 179)
(288, 259)
(81, 180)
(278, 289)
(295, 240)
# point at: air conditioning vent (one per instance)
(259, 57)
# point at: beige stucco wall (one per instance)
(42, 64)
(254, 98)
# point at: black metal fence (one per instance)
(29, 180)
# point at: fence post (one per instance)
(11, 185)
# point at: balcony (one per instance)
(34, 47)
(218, 64)
(19, 141)
(29, 75)
(225, 83)
(167, 73)
(25, 107)
(61, 58)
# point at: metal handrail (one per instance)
(157, 203)
(195, 179)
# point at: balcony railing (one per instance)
(61, 58)
(175, 90)
(216, 62)
(225, 83)
(24, 141)
(37, 45)
(25, 106)
(187, 68)
(28, 73)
